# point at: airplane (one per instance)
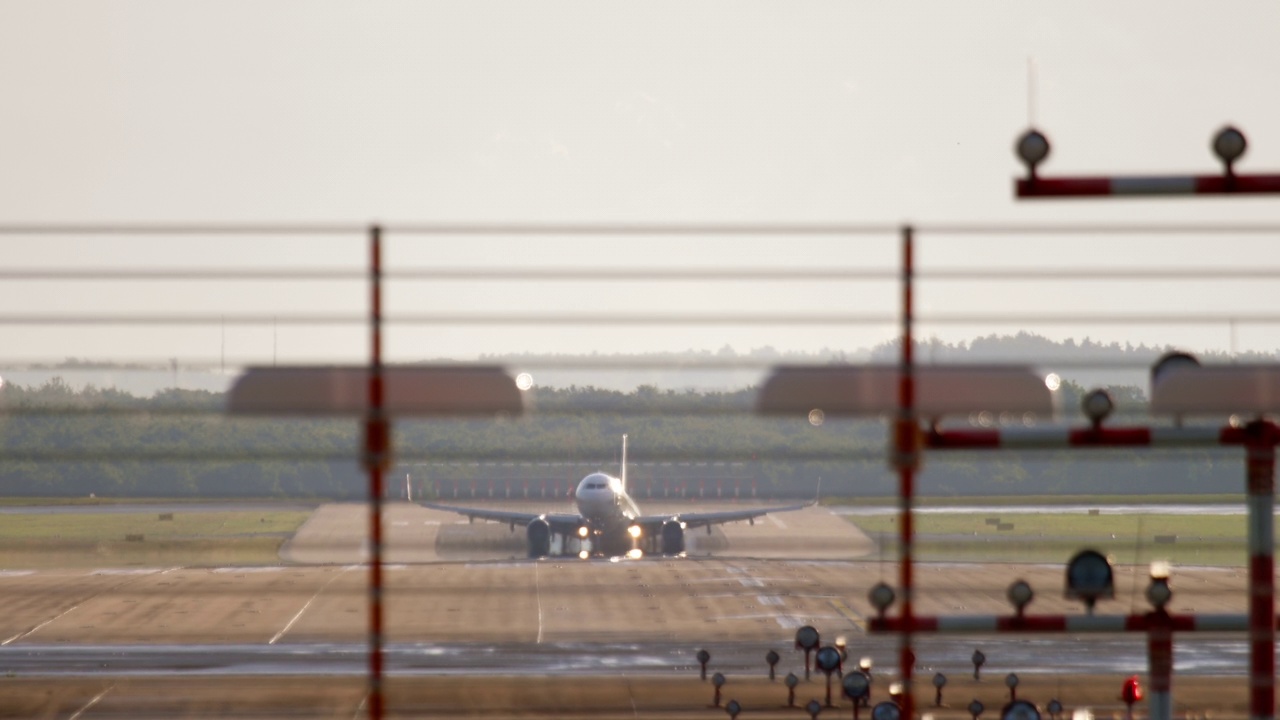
(609, 521)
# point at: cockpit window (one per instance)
(595, 486)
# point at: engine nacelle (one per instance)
(538, 533)
(672, 538)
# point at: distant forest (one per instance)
(56, 440)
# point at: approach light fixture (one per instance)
(1032, 149)
(1097, 406)
(1020, 595)
(939, 682)
(1229, 145)
(1158, 591)
(886, 711)
(856, 685)
(881, 597)
(634, 531)
(584, 531)
(1089, 578)
(1020, 710)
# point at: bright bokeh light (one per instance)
(634, 531)
(582, 531)
(524, 381)
(1160, 569)
(817, 417)
(1052, 381)
(635, 553)
(584, 554)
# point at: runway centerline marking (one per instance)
(91, 703)
(296, 617)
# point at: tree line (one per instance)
(59, 441)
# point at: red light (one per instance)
(1131, 691)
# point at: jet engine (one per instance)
(672, 538)
(539, 534)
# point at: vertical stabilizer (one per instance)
(622, 476)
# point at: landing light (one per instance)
(635, 553)
(583, 531)
(634, 531)
(584, 554)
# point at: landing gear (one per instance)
(672, 538)
(538, 533)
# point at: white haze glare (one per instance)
(744, 112)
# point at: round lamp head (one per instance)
(1032, 149)
(828, 659)
(1159, 592)
(976, 707)
(1020, 595)
(1097, 405)
(1229, 144)
(1089, 578)
(881, 597)
(703, 656)
(791, 680)
(1054, 707)
(1020, 710)
(733, 707)
(813, 707)
(978, 657)
(939, 680)
(807, 638)
(856, 685)
(865, 664)
(772, 657)
(718, 679)
(886, 711)
(1011, 681)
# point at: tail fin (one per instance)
(622, 475)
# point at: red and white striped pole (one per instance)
(1261, 437)
(377, 451)
(1160, 666)
(907, 457)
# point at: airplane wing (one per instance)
(559, 522)
(702, 519)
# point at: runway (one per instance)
(745, 592)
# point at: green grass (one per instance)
(24, 501)
(1200, 539)
(111, 526)
(202, 538)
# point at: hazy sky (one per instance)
(618, 112)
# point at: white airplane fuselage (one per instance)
(605, 505)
